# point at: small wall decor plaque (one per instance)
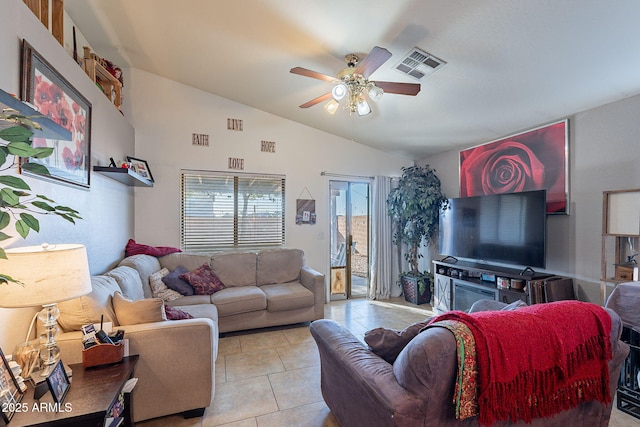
(234, 124)
(268, 146)
(200, 139)
(235, 163)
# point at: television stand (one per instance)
(457, 284)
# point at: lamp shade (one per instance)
(48, 273)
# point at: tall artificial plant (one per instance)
(18, 206)
(414, 205)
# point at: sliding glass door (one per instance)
(350, 236)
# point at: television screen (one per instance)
(502, 228)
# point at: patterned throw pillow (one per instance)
(203, 280)
(174, 313)
(159, 288)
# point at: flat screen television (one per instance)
(501, 228)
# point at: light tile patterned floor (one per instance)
(271, 378)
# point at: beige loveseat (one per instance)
(176, 369)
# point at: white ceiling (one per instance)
(511, 64)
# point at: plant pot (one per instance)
(411, 290)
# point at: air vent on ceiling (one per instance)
(418, 64)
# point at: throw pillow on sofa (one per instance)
(388, 343)
(136, 312)
(173, 281)
(203, 280)
(174, 313)
(159, 288)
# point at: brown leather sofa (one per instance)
(361, 389)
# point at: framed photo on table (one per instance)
(141, 167)
(54, 97)
(58, 382)
(10, 393)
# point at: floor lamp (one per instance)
(47, 274)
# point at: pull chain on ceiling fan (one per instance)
(352, 84)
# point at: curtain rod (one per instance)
(338, 175)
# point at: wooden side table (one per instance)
(92, 394)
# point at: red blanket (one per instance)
(539, 360)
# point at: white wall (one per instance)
(166, 113)
(603, 155)
(107, 207)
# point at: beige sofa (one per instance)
(176, 369)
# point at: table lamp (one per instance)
(48, 274)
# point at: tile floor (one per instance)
(271, 378)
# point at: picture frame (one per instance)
(54, 97)
(141, 167)
(10, 393)
(537, 159)
(58, 382)
(306, 211)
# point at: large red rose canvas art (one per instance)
(533, 160)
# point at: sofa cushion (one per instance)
(145, 265)
(388, 343)
(129, 281)
(173, 281)
(239, 299)
(279, 266)
(159, 288)
(89, 309)
(235, 269)
(203, 280)
(190, 261)
(287, 296)
(130, 312)
(200, 311)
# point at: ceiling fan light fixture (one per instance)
(374, 92)
(363, 107)
(331, 106)
(339, 91)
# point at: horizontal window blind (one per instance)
(224, 211)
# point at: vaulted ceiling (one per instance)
(510, 65)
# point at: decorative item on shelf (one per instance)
(141, 167)
(48, 274)
(10, 392)
(414, 205)
(54, 97)
(105, 74)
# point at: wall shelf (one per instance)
(124, 175)
(50, 129)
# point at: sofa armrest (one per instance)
(358, 386)
(314, 281)
(176, 369)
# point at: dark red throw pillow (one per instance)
(203, 280)
(174, 313)
(134, 248)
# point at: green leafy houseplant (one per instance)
(18, 206)
(414, 205)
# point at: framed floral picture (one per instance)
(533, 160)
(54, 97)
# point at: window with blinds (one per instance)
(226, 211)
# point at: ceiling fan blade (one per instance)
(373, 61)
(316, 100)
(313, 74)
(399, 88)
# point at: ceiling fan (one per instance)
(352, 85)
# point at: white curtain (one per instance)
(384, 256)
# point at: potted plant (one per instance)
(414, 205)
(19, 207)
